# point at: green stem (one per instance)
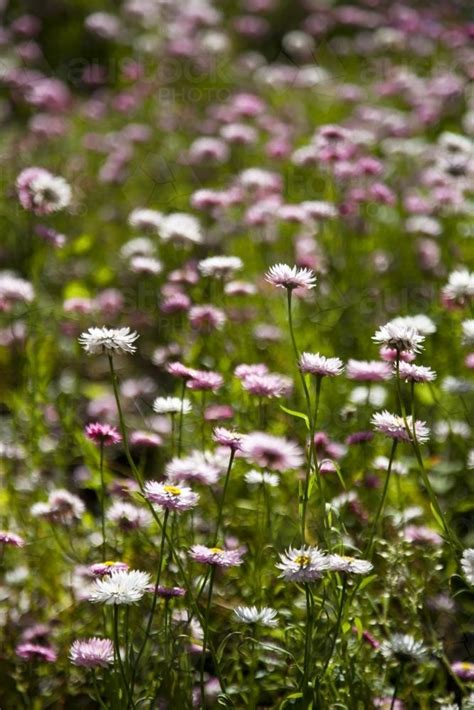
(153, 604)
(102, 500)
(206, 633)
(368, 549)
(308, 638)
(224, 492)
(338, 624)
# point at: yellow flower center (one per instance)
(303, 560)
(110, 563)
(174, 490)
(347, 558)
(216, 550)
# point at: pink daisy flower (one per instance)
(35, 652)
(92, 653)
(9, 538)
(272, 452)
(171, 497)
(216, 556)
(103, 433)
(290, 277)
(368, 371)
(225, 437)
(316, 364)
(393, 426)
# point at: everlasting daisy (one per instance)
(399, 337)
(404, 647)
(102, 568)
(225, 437)
(198, 466)
(216, 556)
(92, 653)
(121, 587)
(145, 219)
(463, 670)
(349, 565)
(127, 516)
(180, 228)
(272, 452)
(393, 426)
(112, 340)
(41, 192)
(9, 538)
(467, 564)
(468, 332)
(368, 371)
(220, 266)
(460, 286)
(267, 385)
(265, 616)
(13, 289)
(202, 380)
(36, 652)
(289, 277)
(305, 564)
(103, 433)
(171, 405)
(416, 373)
(170, 497)
(61, 507)
(254, 477)
(316, 364)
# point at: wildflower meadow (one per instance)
(236, 354)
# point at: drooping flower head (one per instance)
(36, 652)
(10, 538)
(226, 437)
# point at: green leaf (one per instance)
(365, 582)
(294, 413)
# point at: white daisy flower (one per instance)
(265, 616)
(304, 564)
(171, 405)
(467, 564)
(116, 340)
(349, 565)
(146, 219)
(403, 647)
(181, 227)
(254, 477)
(121, 587)
(220, 266)
(399, 337)
(468, 332)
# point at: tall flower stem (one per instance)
(224, 493)
(206, 632)
(396, 686)
(383, 497)
(411, 433)
(123, 428)
(181, 417)
(338, 624)
(308, 648)
(296, 351)
(117, 656)
(102, 499)
(153, 603)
